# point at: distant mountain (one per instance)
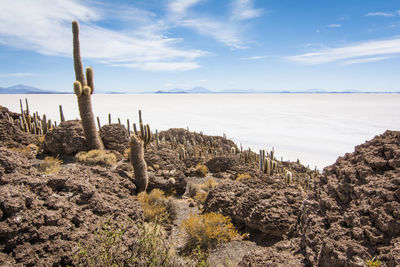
(194, 90)
(25, 89)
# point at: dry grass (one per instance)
(29, 151)
(243, 176)
(207, 230)
(106, 247)
(209, 184)
(156, 206)
(96, 157)
(50, 165)
(201, 170)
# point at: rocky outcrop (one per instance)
(355, 215)
(44, 218)
(67, 139)
(264, 205)
(11, 161)
(13, 136)
(167, 171)
(282, 253)
(115, 137)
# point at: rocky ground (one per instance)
(343, 217)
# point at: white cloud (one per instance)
(335, 25)
(44, 26)
(364, 60)
(374, 48)
(180, 7)
(17, 74)
(222, 32)
(381, 14)
(254, 57)
(243, 10)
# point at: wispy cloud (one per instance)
(17, 74)
(222, 32)
(44, 26)
(254, 57)
(335, 25)
(381, 14)
(377, 49)
(180, 7)
(364, 60)
(244, 9)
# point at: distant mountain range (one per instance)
(202, 90)
(25, 89)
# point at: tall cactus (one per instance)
(83, 91)
(139, 164)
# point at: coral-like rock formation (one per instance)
(265, 205)
(67, 139)
(115, 137)
(43, 218)
(356, 214)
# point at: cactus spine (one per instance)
(84, 91)
(139, 164)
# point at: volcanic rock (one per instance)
(355, 216)
(115, 137)
(44, 218)
(67, 139)
(265, 205)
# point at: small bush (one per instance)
(207, 230)
(201, 170)
(106, 247)
(156, 206)
(200, 197)
(243, 176)
(209, 184)
(50, 165)
(96, 157)
(373, 263)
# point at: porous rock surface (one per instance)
(167, 170)
(355, 215)
(44, 217)
(67, 139)
(115, 137)
(265, 205)
(10, 134)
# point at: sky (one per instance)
(149, 45)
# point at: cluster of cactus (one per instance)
(83, 89)
(145, 133)
(34, 124)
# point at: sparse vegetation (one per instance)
(50, 165)
(243, 176)
(96, 157)
(373, 263)
(29, 151)
(201, 170)
(207, 230)
(156, 206)
(209, 184)
(106, 247)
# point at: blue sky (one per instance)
(149, 45)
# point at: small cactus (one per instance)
(288, 177)
(139, 164)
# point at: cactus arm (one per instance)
(77, 54)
